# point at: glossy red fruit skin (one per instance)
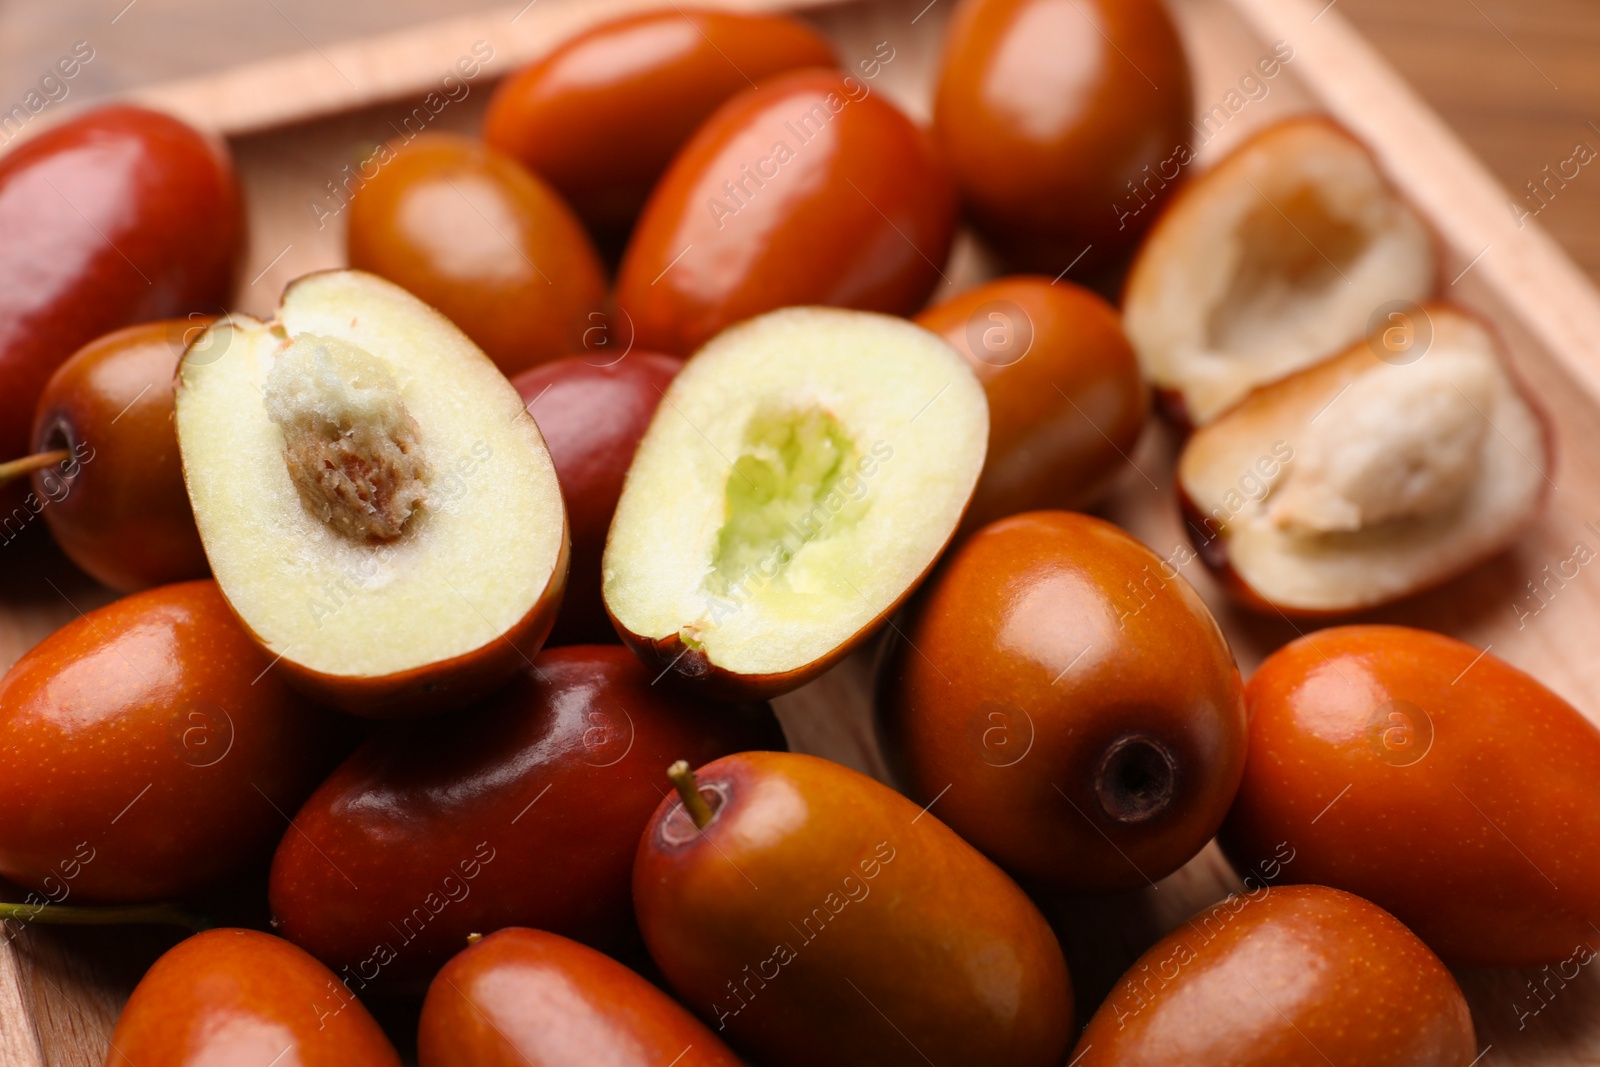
(118, 216)
(491, 246)
(1297, 976)
(1049, 111)
(437, 829)
(592, 412)
(854, 211)
(601, 116)
(1439, 782)
(1066, 399)
(118, 507)
(231, 996)
(1046, 643)
(146, 751)
(521, 997)
(821, 918)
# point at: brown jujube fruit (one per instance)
(471, 232)
(810, 189)
(1065, 123)
(1298, 976)
(238, 997)
(147, 752)
(601, 116)
(1068, 698)
(1066, 401)
(1432, 778)
(819, 917)
(521, 997)
(524, 811)
(118, 508)
(592, 413)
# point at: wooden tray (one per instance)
(295, 122)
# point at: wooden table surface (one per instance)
(1517, 79)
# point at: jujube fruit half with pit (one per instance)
(803, 472)
(1279, 256)
(377, 506)
(119, 215)
(240, 996)
(117, 503)
(809, 189)
(525, 810)
(1297, 976)
(527, 997)
(816, 916)
(1389, 469)
(1065, 123)
(469, 231)
(1066, 401)
(1432, 778)
(601, 116)
(1067, 700)
(146, 752)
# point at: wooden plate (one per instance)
(296, 123)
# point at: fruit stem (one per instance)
(107, 915)
(16, 468)
(695, 804)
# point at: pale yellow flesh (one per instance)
(1272, 261)
(472, 561)
(888, 408)
(1387, 416)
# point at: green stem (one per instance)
(16, 468)
(695, 804)
(104, 915)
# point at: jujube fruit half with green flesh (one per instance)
(493, 247)
(1404, 461)
(603, 114)
(1065, 123)
(1068, 700)
(802, 474)
(592, 412)
(523, 811)
(522, 997)
(814, 915)
(146, 752)
(231, 996)
(116, 216)
(1298, 976)
(117, 503)
(1432, 778)
(1279, 256)
(375, 503)
(807, 189)
(1066, 402)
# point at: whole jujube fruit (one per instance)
(239, 996)
(809, 189)
(522, 811)
(521, 997)
(592, 413)
(1432, 778)
(1298, 976)
(1075, 697)
(816, 916)
(603, 114)
(147, 750)
(118, 508)
(1066, 400)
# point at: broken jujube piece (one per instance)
(1370, 477)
